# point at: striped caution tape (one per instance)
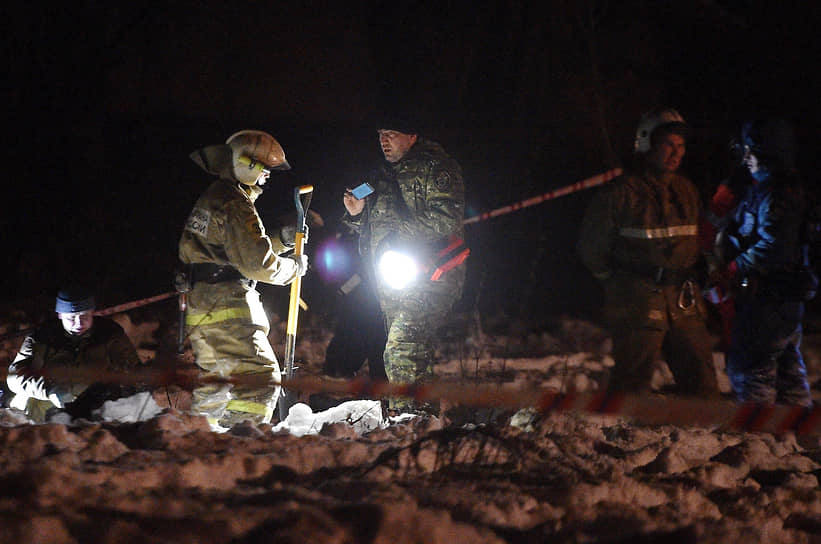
(104, 312)
(599, 179)
(351, 283)
(648, 409)
(135, 304)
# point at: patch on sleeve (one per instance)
(198, 221)
(443, 181)
(253, 226)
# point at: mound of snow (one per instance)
(363, 415)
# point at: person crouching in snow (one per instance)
(56, 363)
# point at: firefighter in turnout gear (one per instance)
(639, 238)
(765, 245)
(416, 208)
(226, 250)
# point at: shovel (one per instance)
(288, 398)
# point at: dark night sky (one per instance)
(105, 101)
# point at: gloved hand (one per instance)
(301, 263)
(287, 235)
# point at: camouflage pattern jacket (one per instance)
(104, 348)
(418, 204)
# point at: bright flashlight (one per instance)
(397, 269)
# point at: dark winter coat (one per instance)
(75, 358)
(765, 238)
(764, 362)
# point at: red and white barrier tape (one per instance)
(135, 304)
(106, 311)
(593, 181)
(647, 409)
(599, 179)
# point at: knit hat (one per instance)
(73, 300)
(400, 121)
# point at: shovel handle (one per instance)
(302, 208)
(287, 398)
(299, 245)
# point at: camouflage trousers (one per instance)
(228, 329)
(411, 322)
(764, 361)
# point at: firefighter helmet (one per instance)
(254, 151)
(666, 118)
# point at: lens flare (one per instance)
(333, 261)
(397, 269)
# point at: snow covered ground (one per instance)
(339, 474)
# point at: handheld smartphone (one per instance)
(361, 191)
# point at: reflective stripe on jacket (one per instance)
(640, 222)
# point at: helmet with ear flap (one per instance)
(663, 118)
(254, 151)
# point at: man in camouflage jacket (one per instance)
(418, 207)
